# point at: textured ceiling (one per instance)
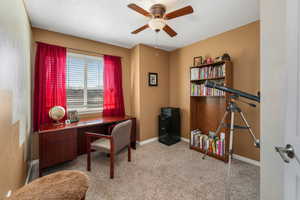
(110, 21)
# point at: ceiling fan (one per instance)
(158, 17)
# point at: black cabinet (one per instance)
(169, 125)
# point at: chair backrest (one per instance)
(121, 134)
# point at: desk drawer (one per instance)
(57, 147)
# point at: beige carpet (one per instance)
(160, 172)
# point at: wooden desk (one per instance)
(61, 143)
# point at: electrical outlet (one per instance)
(8, 194)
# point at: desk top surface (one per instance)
(85, 122)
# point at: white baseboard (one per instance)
(155, 139)
(247, 160)
(147, 141)
(30, 170)
(185, 140)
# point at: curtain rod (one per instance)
(79, 50)
(89, 51)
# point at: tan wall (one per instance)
(135, 86)
(148, 100)
(243, 46)
(152, 98)
(15, 94)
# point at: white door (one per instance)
(292, 122)
(280, 85)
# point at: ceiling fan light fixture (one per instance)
(157, 24)
(158, 17)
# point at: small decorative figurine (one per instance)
(225, 57)
(209, 60)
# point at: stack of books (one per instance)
(208, 72)
(201, 90)
(214, 145)
(195, 137)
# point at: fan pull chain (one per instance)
(156, 38)
(156, 43)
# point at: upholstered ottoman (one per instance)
(66, 185)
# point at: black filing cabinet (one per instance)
(169, 125)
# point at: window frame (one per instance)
(85, 88)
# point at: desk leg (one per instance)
(133, 133)
(133, 145)
(40, 173)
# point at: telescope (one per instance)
(252, 97)
(231, 109)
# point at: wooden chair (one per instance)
(112, 144)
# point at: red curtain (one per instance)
(50, 82)
(113, 91)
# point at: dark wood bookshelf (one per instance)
(206, 112)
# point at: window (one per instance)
(84, 83)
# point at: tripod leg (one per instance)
(228, 182)
(218, 130)
(231, 134)
(222, 122)
(256, 141)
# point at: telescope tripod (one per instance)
(232, 109)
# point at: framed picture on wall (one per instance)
(152, 79)
(198, 61)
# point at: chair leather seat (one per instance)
(101, 144)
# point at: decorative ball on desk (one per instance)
(57, 113)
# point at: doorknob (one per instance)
(286, 152)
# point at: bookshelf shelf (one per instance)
(205, 79)
(206, 107)
(209, 96)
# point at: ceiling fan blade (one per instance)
(180, 12)
(140, 29)
(139, 9)
(170, 31)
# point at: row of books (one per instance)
(201, 90)
(214, 145)
(208, 72)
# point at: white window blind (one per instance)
(84, 83)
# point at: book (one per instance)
(195, 137)
(213, 146)
(217, 147)
(210, 147)
(195, 74)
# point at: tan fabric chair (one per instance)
(63, 185)
(112, 144)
